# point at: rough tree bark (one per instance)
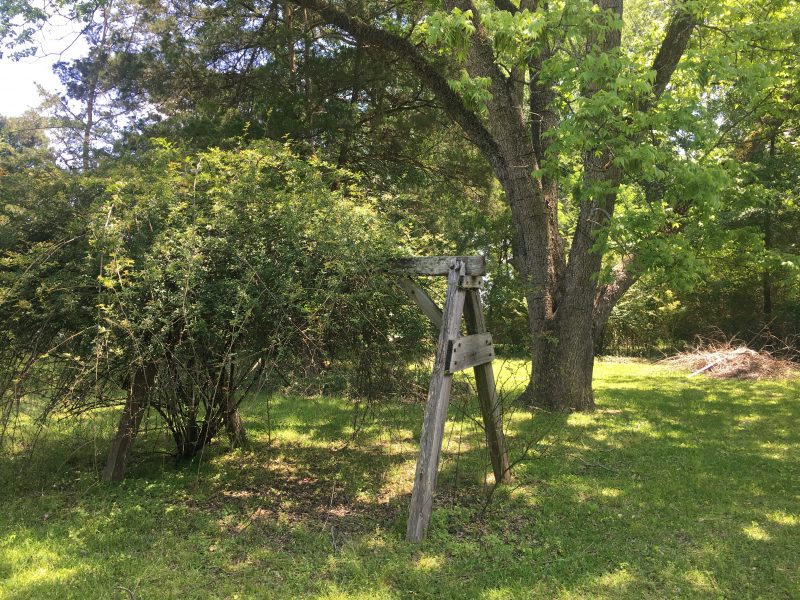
(129, 423)
(567, 307)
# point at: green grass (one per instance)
(674, 487)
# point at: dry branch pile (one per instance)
(734, 360)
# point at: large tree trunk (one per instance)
(563, 329)
(562, 381)
(566, 306)
(562, 344)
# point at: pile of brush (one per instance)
(732, 359)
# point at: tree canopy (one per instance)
(584, 146)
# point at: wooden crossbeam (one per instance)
(438, 265)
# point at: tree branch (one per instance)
(623, 277)
(506, 118)
(672, 48)
(509, 6)
(435, 81)
(679, 31)
(506, 5)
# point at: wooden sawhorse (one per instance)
(454, 353)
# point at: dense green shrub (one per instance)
(213, 272)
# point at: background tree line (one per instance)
(639, 156)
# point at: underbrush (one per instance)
(733, 359)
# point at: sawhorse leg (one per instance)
(487, 394)
(430, 444)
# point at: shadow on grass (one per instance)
(673, 487)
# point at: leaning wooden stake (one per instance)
(435, 411)
(129, 423)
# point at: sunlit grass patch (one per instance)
(782, 518)
(755, 532)
(674, 487)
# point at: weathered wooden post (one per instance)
(491, 411)
(453, 353)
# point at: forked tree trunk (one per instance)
(562, 346)
(566, 307)
(221, 410)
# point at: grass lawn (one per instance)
(674, 487)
